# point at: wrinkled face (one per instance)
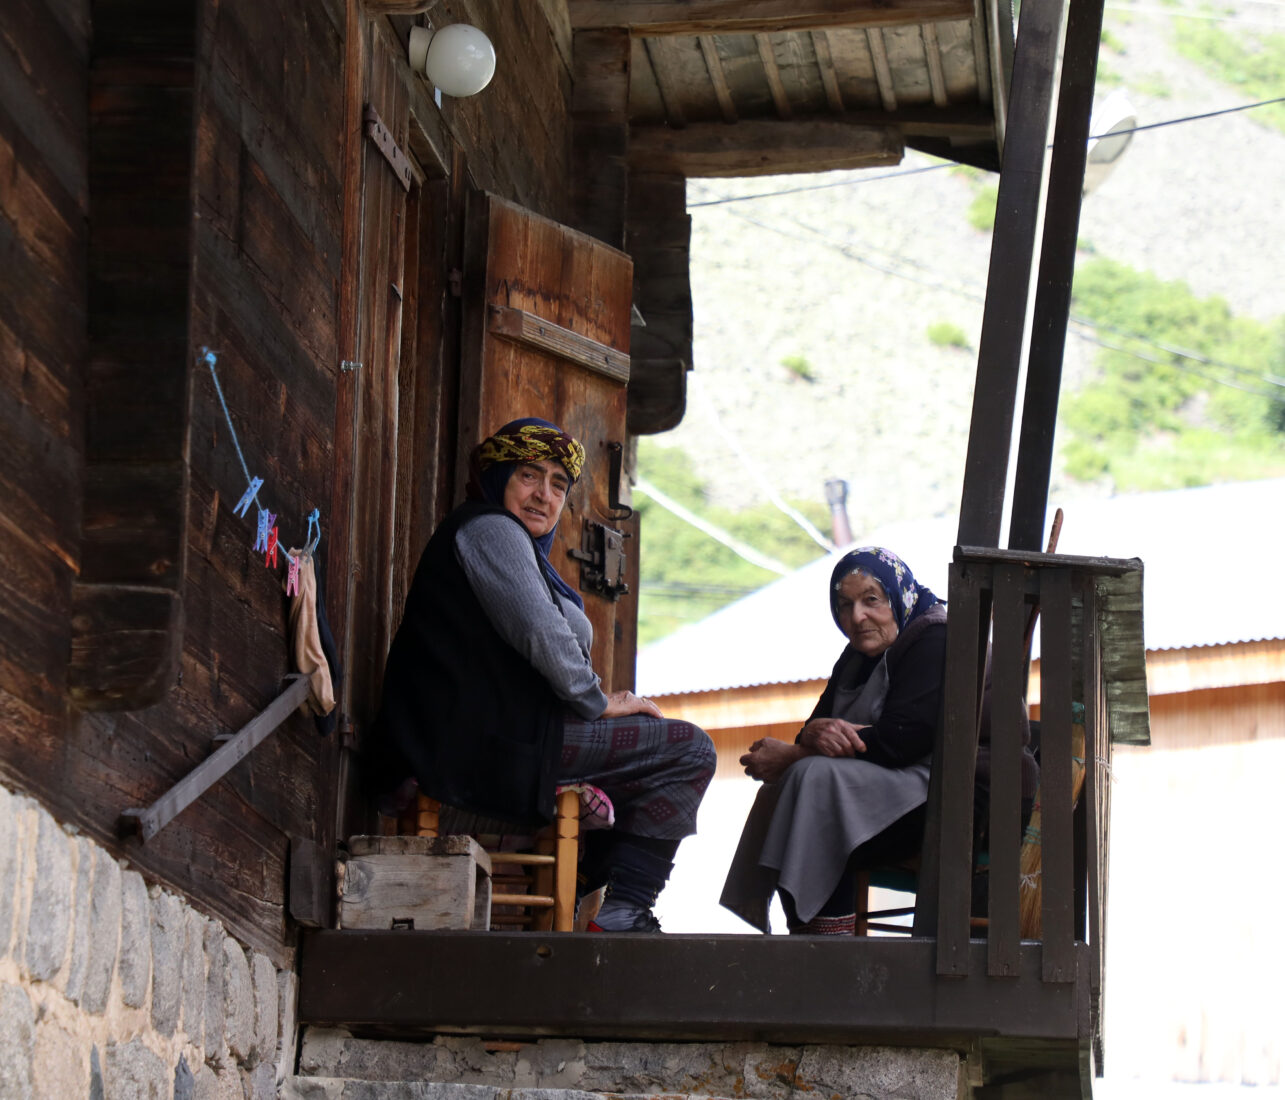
(535, 493)
(865, 615)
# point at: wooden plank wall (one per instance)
(44, 54)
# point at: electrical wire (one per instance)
(739, 548)
(726, 199)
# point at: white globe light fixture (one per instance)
(458, 59)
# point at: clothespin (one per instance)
(270, 554)
(243, 505)
(310, 541)
(266, 520)
(292, 575)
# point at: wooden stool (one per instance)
(550, 869)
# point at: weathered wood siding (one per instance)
(44, 199)
(271, 205)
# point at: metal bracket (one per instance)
(388, 147)
(602, 560)
(151, 820)
(616, 460)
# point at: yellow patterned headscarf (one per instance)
(531, 440)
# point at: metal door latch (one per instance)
(602, 560)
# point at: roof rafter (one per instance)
(688, 17)
(764, 147)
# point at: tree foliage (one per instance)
(1154, 418)
(686, 574)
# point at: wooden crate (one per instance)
(415, 882)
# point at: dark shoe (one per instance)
(643, 921)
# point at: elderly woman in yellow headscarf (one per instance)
(490, 699)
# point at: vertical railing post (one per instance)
(954, 767)
(1007, 706)
(1056, 803)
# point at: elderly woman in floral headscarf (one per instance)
(851, 788)
(490, 699)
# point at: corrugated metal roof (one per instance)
(1214, 561)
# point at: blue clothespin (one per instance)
(266, 520)
(243, 505)
(311, 540)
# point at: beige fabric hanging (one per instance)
(309, 657)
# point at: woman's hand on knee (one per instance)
(621, 703)
(832, 737)
(768, 758)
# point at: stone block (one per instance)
(287, 1007)
(78, 965)
(260, 1083)
(60, 1063)
(49, 918)
(193, 976)
(184, 1081)
(238, 1002)
(132, 1072)
(882, 1073)
(104, 932)
(551, 1063)
(17, 1041)
(135, 965)
(225, 1084)
(169, 930)
(9, 860)
(215, 1012)
(264, 975)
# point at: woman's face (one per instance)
(865, 615)
(535, 493)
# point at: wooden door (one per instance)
(366, 443)
(546, 333)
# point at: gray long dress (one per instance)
(802, 829)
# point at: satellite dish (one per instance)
(1110, 131)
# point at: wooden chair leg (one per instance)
(863, 904)
(567, 851)
(428, 816)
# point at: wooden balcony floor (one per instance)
(407, 984)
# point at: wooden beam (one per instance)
(536, 332)
(688, 17)
(718, 78)
(760, 148)
(600, 134)
(683, 987)
(825, 64)
(772, 73)
(1017, 221)
(883, 71)
(932, 55)
(669, 79)
(1057, 266)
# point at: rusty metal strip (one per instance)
(388, 147)
(527, 328)
(179, 797)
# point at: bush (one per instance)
(945, 334)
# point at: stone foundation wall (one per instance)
(110, 989)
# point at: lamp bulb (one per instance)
(458, 59)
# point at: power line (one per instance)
(725, 200)
(741, 549)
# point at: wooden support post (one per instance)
(1017, 218)
(600, 134)
(566, 851)
(1057, 269)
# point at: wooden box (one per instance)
(415, 882)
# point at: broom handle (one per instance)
(1054, 532)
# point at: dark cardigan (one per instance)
(905, 732)
(462, 710)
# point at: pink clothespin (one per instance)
(270, 554)
(243, 505)
(266, 520)
(292, 576)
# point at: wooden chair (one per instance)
(529, 889)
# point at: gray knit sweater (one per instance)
(550, 632)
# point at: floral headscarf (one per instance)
(909, 598)
(528, 439)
